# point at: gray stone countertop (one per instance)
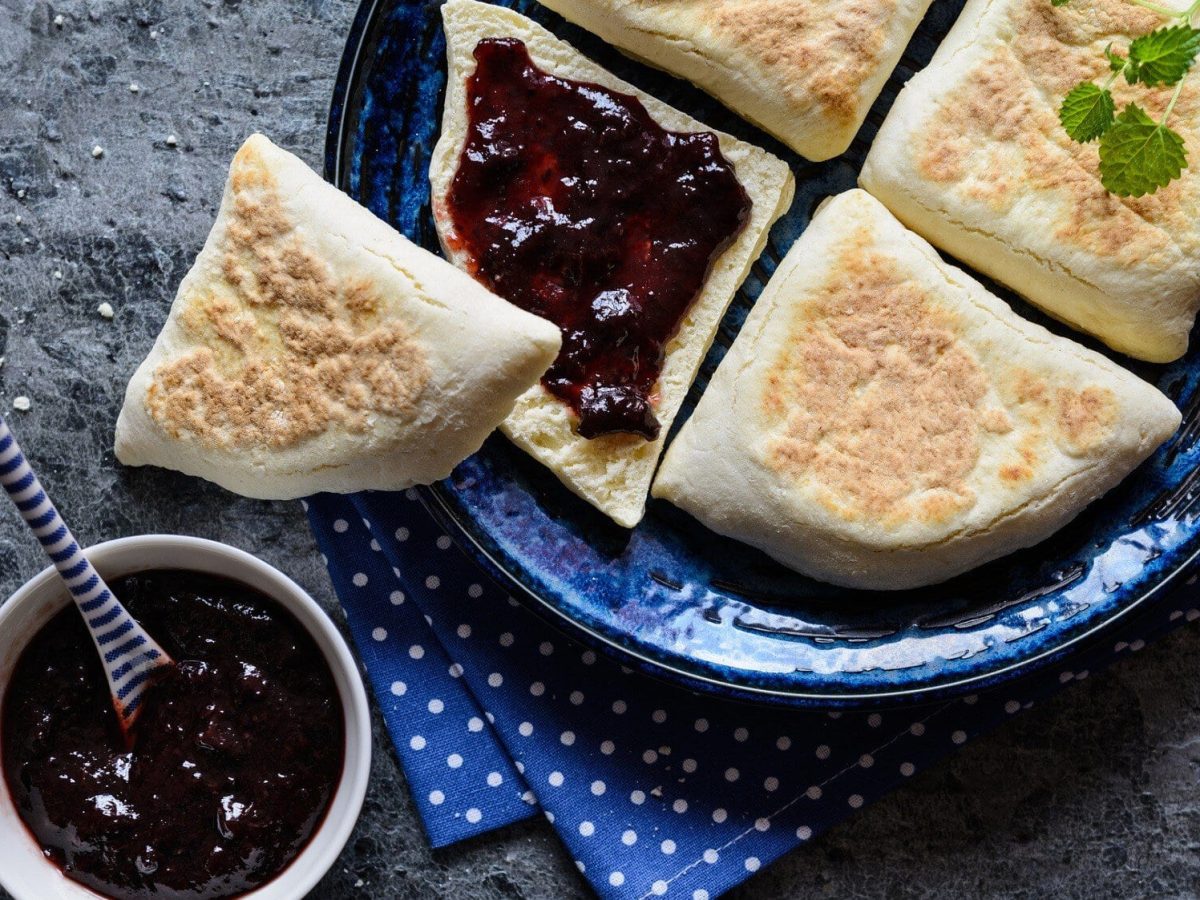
(1091, 795)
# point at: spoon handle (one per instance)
(128, 653)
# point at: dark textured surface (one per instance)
(1092, 795)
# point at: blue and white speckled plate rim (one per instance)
(442, 507)
(436, 503)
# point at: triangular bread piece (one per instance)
(613, 472)
(884, 422)
(313, 348)
(973, 157)
(805, 70)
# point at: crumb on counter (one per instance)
(22, 403)
(106, 311)
(58, 275)
(58, 21)
(97, 152)
(134, 87)
(172, 140)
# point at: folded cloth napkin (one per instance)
(655, 791)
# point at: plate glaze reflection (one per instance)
(670, 596)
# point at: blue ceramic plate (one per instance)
(672, 597)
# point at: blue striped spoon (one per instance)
(130, 656)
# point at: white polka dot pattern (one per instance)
(655, 792)
(449, 757)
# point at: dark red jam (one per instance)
(236, 755)
(575, 205)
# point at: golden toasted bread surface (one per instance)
(313, 348)
(882, 421)
(805, 70)
(283, 349)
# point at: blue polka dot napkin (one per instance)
(655, 792)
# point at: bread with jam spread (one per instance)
(807, 71)
(313, 348)
(613, 472)
(973, 157)
(884, 422)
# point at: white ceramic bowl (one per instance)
(24, 872)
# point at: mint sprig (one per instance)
(1116, 62)
(1087, 112)
(1137, 154)
(1163, 56)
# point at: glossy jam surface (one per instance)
(236, 755)
(572, 203)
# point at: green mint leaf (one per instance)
(1086, 112)
(1138, 155)
(1163, 56)
(1116, 62)
(1059, 2)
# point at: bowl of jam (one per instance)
(249, 763)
